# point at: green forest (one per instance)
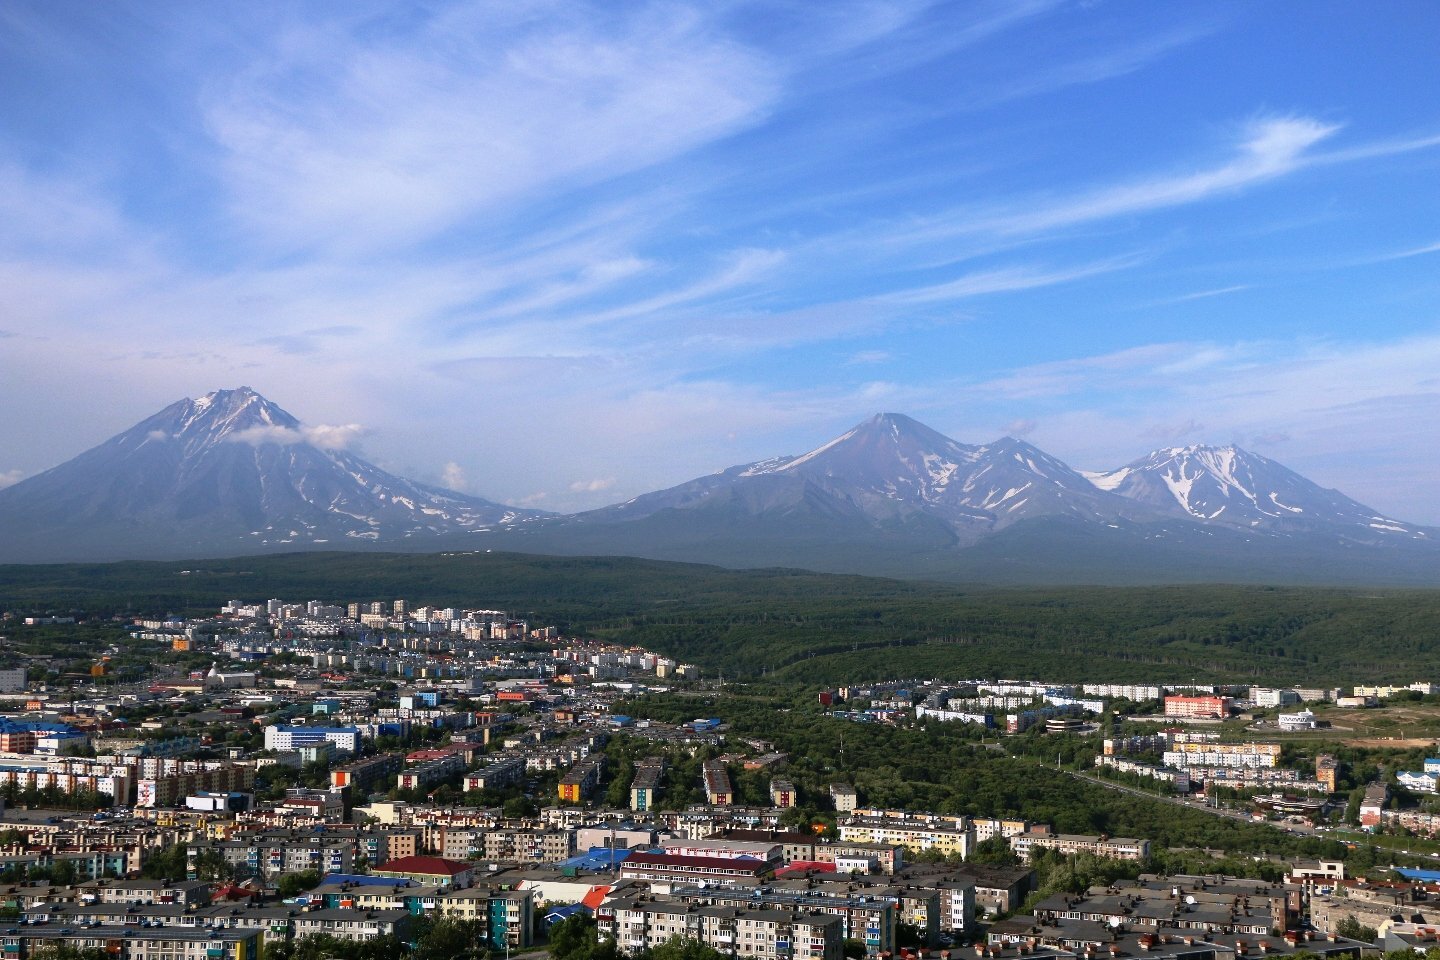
(813, 628)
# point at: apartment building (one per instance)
(635, 924)
(352, 925)
(270, 853)
(1198, 707)
(284, 738)
(946, 835)
(1254, 755)
(506, 917)
(661, 867)
(129, 943)
(528, 844)
(782, 793)
(577, 785)
(645, 787)
(498, 775)
(718, 791)
(366, 775)
(431, 773)
(1118, 848)
(868, 915)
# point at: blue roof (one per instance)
(1429, 876)
(597, 858)
(556, 914)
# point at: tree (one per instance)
(292, 884)
(679, 948)
(168, 862)
(519, 808)
(854, 949)
(995, 851)
(576, 938)
(1352, 929)
(443, 938)
(211, 866)
(63, 951)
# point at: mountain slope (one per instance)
(896, 498)
(891, 471)
(1231, 487)
(227, 473)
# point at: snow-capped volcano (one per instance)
(225, 473)
(892, 469)
(1234, 487)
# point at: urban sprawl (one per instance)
(390, 763)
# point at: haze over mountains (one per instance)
(232, 473)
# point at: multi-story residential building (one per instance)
(128, 943)
(718, 791)
(1179, 779)
(782, 793)
(352, 925)
(530, 845)
(1273, 697)
(285, 738)
(1117, 848)
(577, 785)
(1251, 755)
(684, 869)
(987, 827)
(425, 775)
(1124, 691)
(271, 853)
(1198, 707)
(869, 916)
(636, 924)
(1327, 771)
(877, 857)
(366, 775)
(645, 787)
(506, 917)
(504, 772)
(945, 835)
(844, 797)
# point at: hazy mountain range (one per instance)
(232, 473)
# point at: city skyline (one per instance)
(559, 256)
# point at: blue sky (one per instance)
(559, 254)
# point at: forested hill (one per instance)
(817, 628)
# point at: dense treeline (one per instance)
(817, 628)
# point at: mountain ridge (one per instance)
(232, 473)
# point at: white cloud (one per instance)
(1266, 150)
(1006, 280)
(452, 477)
(341, 133)
(592, 486)
(324, 436)
(11, 477)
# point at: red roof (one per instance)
(426, 866)
(595, 897)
